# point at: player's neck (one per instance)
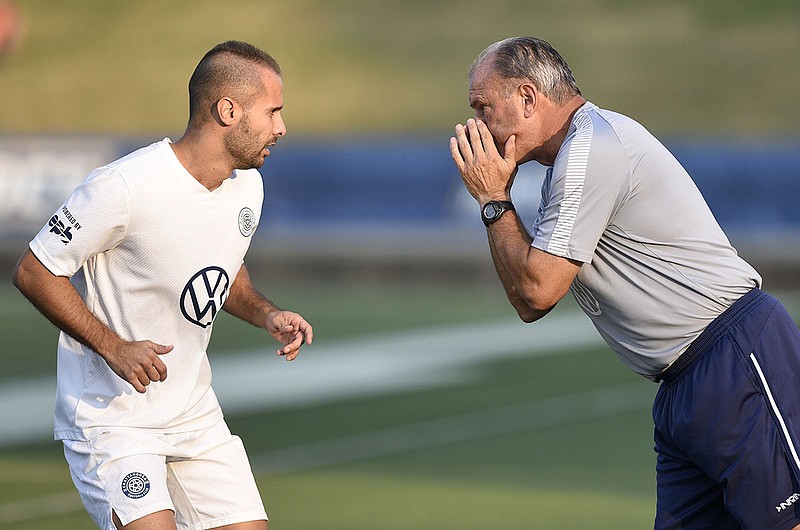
(202, 159)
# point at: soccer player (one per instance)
(133, 268)
(622, 225)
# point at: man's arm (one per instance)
(55, 297)
(288, 328)
(534, 280)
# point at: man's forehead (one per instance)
(273, 85)
(486, 90)
(484, 78)
(269, 76)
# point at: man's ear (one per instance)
(529, 95)
(227, 110)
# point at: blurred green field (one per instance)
(352, 67)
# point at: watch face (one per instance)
(490, 210)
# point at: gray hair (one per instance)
(530, 59)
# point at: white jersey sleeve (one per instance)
(102, 203)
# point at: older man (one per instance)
(622, 225)
(133, 268)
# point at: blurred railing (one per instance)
(401, 198)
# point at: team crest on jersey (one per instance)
(204, 295)
(247, 222)
(135, 485)
(585, 298)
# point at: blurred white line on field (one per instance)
(258, 380)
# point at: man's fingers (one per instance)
(308, 333)
(290, 329)
(161, 349)
(153, 367)
(455, 152)
(510, 150)
(294, 344)
(152, 374)
(486, 137)
(293, 348)
(464, 147)
(159, 371)
(148, 374)
(140, 382)
(305, 331)
(475, 140)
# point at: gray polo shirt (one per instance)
(657, 268)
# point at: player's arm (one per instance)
(245, 302)
(56, 298)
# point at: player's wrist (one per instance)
(107, 345)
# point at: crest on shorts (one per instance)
(247, 222)
(135, 485)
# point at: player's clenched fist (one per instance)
(139, 363)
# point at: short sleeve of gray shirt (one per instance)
(657, 268)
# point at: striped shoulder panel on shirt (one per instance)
(577, 161)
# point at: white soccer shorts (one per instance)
(204, 477)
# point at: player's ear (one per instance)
(528, 94)
(227, 110)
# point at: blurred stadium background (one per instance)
(423, 402)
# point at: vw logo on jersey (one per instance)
(247, 222)
(135, 485)
(204, 295)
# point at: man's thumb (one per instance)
(161, 349)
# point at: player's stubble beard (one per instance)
(244, 146)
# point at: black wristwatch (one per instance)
(492, 210)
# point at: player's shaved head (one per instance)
(229, 69)
(532, 60)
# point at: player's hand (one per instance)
(139, 363)
(487, 174)
(291, 330)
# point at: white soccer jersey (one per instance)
(657, 268)
(153, 253)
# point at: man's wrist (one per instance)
(499, 196)
(492, 210)
(106, 343)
